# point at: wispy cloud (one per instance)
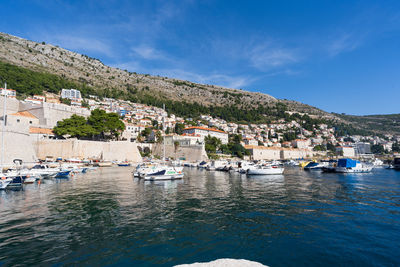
(266, 57)
(344, 43)
(149, 52)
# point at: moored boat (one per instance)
(347, 165)
(265, 170)
(166, 173)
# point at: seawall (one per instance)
(73, 148)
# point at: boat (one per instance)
(124, 164)
(63, 174)
(104, 164)
(347, 165)
(265, 170)
(315, 166)
(216, 165)
(166, 173)
(396, 163)
(4, 182)
(16, 182)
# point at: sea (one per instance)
(109, 218)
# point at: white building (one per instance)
(346, 151)
(184, 140)
(8, 92)
(72, 94)
(202, 131)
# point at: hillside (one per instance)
(54, 68)
(93, 73)
(377, 123)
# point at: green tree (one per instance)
(377, 149)
(76, 126)
(106, 125)
(212, 144)
(179, 128)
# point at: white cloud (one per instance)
(266, 57)
(148, 52)
(343, 43)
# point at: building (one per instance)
(132, 131)
(72, 94)
(184, 140)
(8, 92)
(22, 118)
(202, 131)
(363, 148)
(346, 151)
(264, 153)
(277, 153)
(301, 143)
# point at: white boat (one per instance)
(4, 182)
(316, 166)
(165, 173)
(216, 164)
(352, 166)
(264, 170)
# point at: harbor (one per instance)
(108, 216)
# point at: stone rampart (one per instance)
(73, 148)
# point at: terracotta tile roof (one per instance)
(38, 130)
(205, 129)
(24, 114)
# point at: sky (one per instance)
(340, 56)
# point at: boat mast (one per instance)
(3, 126)
(164, 136)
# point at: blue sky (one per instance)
(340, 56)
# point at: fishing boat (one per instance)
(352, 166)
(265, 170)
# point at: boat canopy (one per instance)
(347, 163)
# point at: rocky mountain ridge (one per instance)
(92, 72)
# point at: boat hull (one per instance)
(266, 171)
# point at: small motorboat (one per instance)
(165, 173)
(4, 182)
(265, 170)
(124, 164)
(63, 174)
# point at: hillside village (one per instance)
(147, 126)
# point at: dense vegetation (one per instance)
(214, 145)
(28, 82)
(98, 126)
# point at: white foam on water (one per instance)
(224, 263)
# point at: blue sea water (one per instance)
(297, 219)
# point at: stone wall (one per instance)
(50, 113)
(73, 148)
(189, 153)
(12, 105)
(17, 145)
